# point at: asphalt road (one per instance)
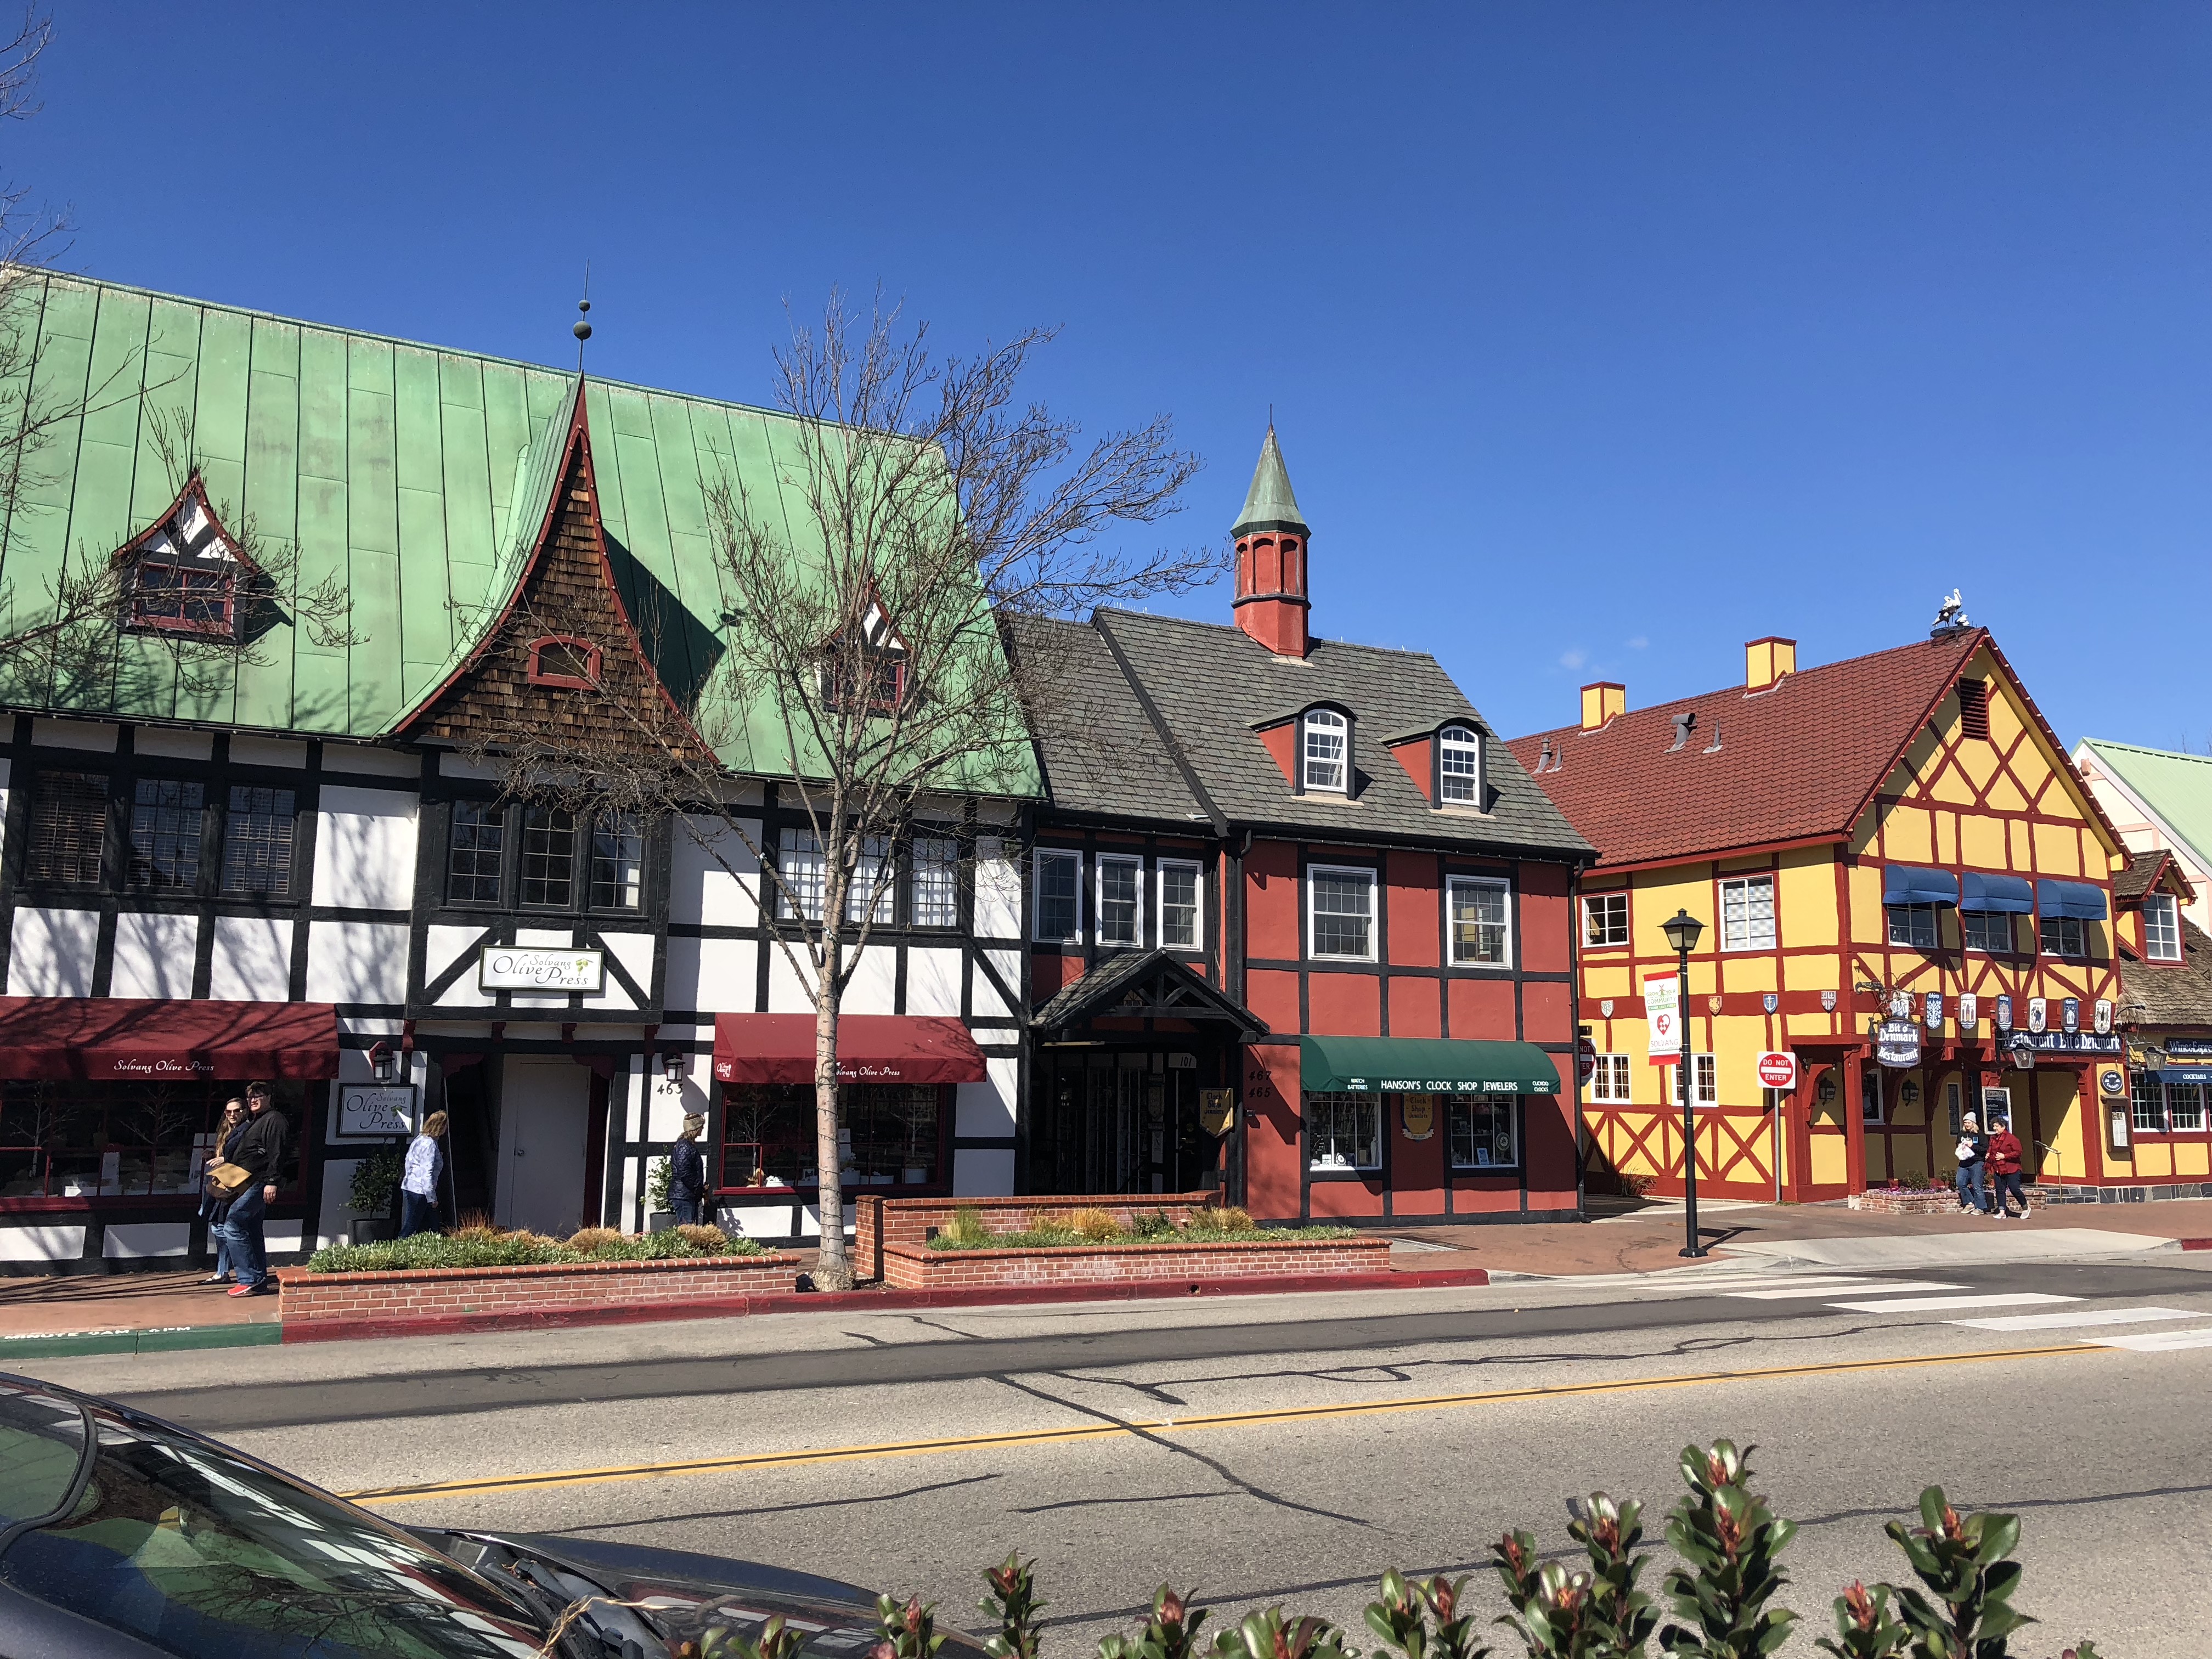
(1271, 1448)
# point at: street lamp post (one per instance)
(1682, 930)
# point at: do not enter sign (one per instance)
(1778, 1071)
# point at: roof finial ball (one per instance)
(582, 330)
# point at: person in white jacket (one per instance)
(418, 1182)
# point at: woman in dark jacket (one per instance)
(1973, 1152)
(214, 1209)
(687, 1174)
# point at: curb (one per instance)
(169, 1339)
(350, 1330)
(2195, 1243)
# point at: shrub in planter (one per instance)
(376, 1181)
(486, 1247)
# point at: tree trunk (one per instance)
(833, 1267)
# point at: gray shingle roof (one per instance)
(2154, 993)
(1212, 685)
(1119, 768)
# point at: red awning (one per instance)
(118, 1039)
(871, 1048)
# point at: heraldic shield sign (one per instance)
(1827, 1002)
(1771, 1001)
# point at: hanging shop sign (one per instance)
(2103, 1015)
(2004, 1013)
(1661, 1002)
(381, 1108)
(1216, 1111)
(2038, 1014)
(528, 968)
(2070, 1014)
(1896, 1044)
(1970, 1012)
(1418, 1114)
(1777, 1069)
(2188, 1047)
(1933, 1008)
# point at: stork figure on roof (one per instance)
(1951, 616)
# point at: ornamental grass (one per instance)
(480, 1246)
(1092, 1227)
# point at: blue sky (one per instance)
(1601, 339)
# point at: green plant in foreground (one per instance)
(1964, 1561)
(1402, 1617)
(1013, 1607)
(376, 1180)
(1170, 1633)
(907, 1631)
(1269, 1636)
(1731, 1539)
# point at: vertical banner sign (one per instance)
(1970, 1012)
(2038, 1015)
(2004, 1013)
(1663, 1009)
(2070, 1013)
(1935, 1011)
(2103, 1017)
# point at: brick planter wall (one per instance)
(880, 1222)
(916, 1266)
(1935, 1200)
(560, 1292)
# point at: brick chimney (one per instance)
(1270, 538)
(1602, 700)
(1767, 661)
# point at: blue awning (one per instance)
(1904, 884)
(2071, 898)
(2011, 896)
(2182, 1074)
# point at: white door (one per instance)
(544, 1111)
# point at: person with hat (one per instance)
(687, 1173)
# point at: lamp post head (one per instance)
(1682, 930)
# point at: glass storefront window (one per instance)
(892, 1135)
(85, 1140)
(1343, 1131)
(1484, 1132)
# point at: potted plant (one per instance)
(660, 1213)
(375, 1190)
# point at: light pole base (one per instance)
(1694, 1250)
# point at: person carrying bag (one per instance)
(260, 1151)
(1972, 1151)
(220, 1181)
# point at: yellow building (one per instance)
(1905, 889)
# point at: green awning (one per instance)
(1423, 1066)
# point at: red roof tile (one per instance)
(1795, 762)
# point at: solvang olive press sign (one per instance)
(376, 1109)
(527, 968)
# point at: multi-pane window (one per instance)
(1912, 924)
(893, 1135)
(1482, 1131)
(805, 875)
(1058, 898)
(1343, 1131)
(1324, 746)
(873, 896)
(1459, 766)
(1120, 902)
(1609, 1082)
(256, 843)
(165, 835)
(549, 858)
(1179, 887)
(617, 862)
(1480, 932)
(1871, 1109)
(69, 822)
(479, 842)
(936, 881)
(2062, 936)
(117, 1140)
(2161, 920)
(1987, 930)
(1343, 913)
(1708, 1076)
(1748, 913)
(1605, 918)
(2148, 1105)
(2185, 1105)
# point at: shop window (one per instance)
(472, 867)
(549, 858)
(165, 835)
(257, 841)
(1341, 912)
(2161, 920)
(69, 826)
(1481, 928)
(873, 895)
(2148, 1105)
(1179, 891)
(1059, 919)
(1748, 913)
(892, 1135)
(1325, 731)
(1605, 920)
(1459, 767)
(936, 882)
(1913, 926)
(1989, 931)
(2184, 1106)
(2064, 936)
(1343, 1131)
(87, 1140)
(617, 862)
(1610, 1082)
(1120, 902)
(1485, 1132)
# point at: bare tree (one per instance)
(872, 646)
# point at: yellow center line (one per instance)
(1070, 1432)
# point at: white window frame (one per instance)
(1592, 902)
(939, 855)
(1197, 904)
(1038, 860)
(2174, 1126)
(2169, 934)
(1613, 1083)
(1452, 885)
(1737, 934)
(1374, 900)
(1373, 1148)
(2147, 1094)
(874, 863)
(1099, 864)
(799, 852)
(1459, 738)
(1450, 1105)
(1319, 721)
(1912, 913)
(1707, 1068)
(2000, 920)
(2079, 937)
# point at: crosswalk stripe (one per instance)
(1867, 1286)
(2055, 1321)
(1932, 1303)
(2153, 1341)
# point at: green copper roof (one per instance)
(419, 475)
(1269, 505)
(2177, 788)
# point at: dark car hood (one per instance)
(688, 1594)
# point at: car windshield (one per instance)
(207, 1556)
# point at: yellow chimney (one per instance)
(1602, 700)
(1767, 661)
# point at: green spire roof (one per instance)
(1270, 504)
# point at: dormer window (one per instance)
(186, 572)
(560, 660)
(1324, 761)
(865, 666)
(2162, 924)
(1459, 767)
